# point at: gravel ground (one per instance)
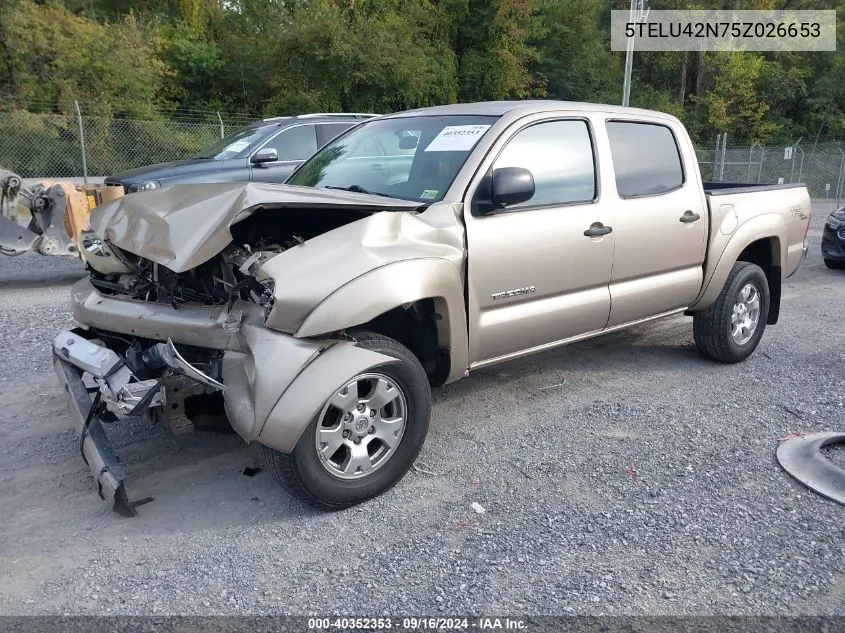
(624, 475)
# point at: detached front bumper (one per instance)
(273, 384)
(116, 393)
(96, 449)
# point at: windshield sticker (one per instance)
(429, 194)
(237, 146)
(457, 138)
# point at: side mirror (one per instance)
(511, 185)
(264, 155)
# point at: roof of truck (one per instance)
(499, 108)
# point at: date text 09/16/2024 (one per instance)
(417, 624)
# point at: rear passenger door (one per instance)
(293, 145)
(534, 277)
(661, 220)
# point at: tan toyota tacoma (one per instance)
(313, 317)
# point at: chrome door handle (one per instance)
(689, 216)
(597, 230)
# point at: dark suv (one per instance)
(833, 240)
(265, 151)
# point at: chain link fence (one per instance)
(54, 145)
(820, 166)
(50, 145)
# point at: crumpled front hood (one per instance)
(184, 226)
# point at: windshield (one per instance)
(413, 158)
(237, 145)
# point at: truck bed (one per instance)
(746, 203)
(726, 188)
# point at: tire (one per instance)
(306, 475)
(834, 264)
(713, 328)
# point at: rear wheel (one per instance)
(731, 328)
(835, 264)
(365, 438)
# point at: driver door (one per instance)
(534, 277)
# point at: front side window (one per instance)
(559, 154)
(646, 160)
(412, 158)
(295, 143)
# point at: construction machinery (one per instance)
(48, 216)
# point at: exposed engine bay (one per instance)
(223, 279)
(220, 281)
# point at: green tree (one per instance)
(56, 56)
(573, 53)
(493, 48)
(333, 56)
(733, 103)
(194, 63)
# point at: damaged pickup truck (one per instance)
(314, 316)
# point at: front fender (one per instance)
(276, 383)
(725, 250)
(307, 394)
(393, 285)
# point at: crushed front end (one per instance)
(179, 320)
(171, 348)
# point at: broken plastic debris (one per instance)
(479, 509)
(801, 457)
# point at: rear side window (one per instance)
(645, 158)
(295, 143)
(328, 131)
(559, 154)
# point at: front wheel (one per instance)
(365, 438)
(730, 329)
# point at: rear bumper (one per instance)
(804, 250)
